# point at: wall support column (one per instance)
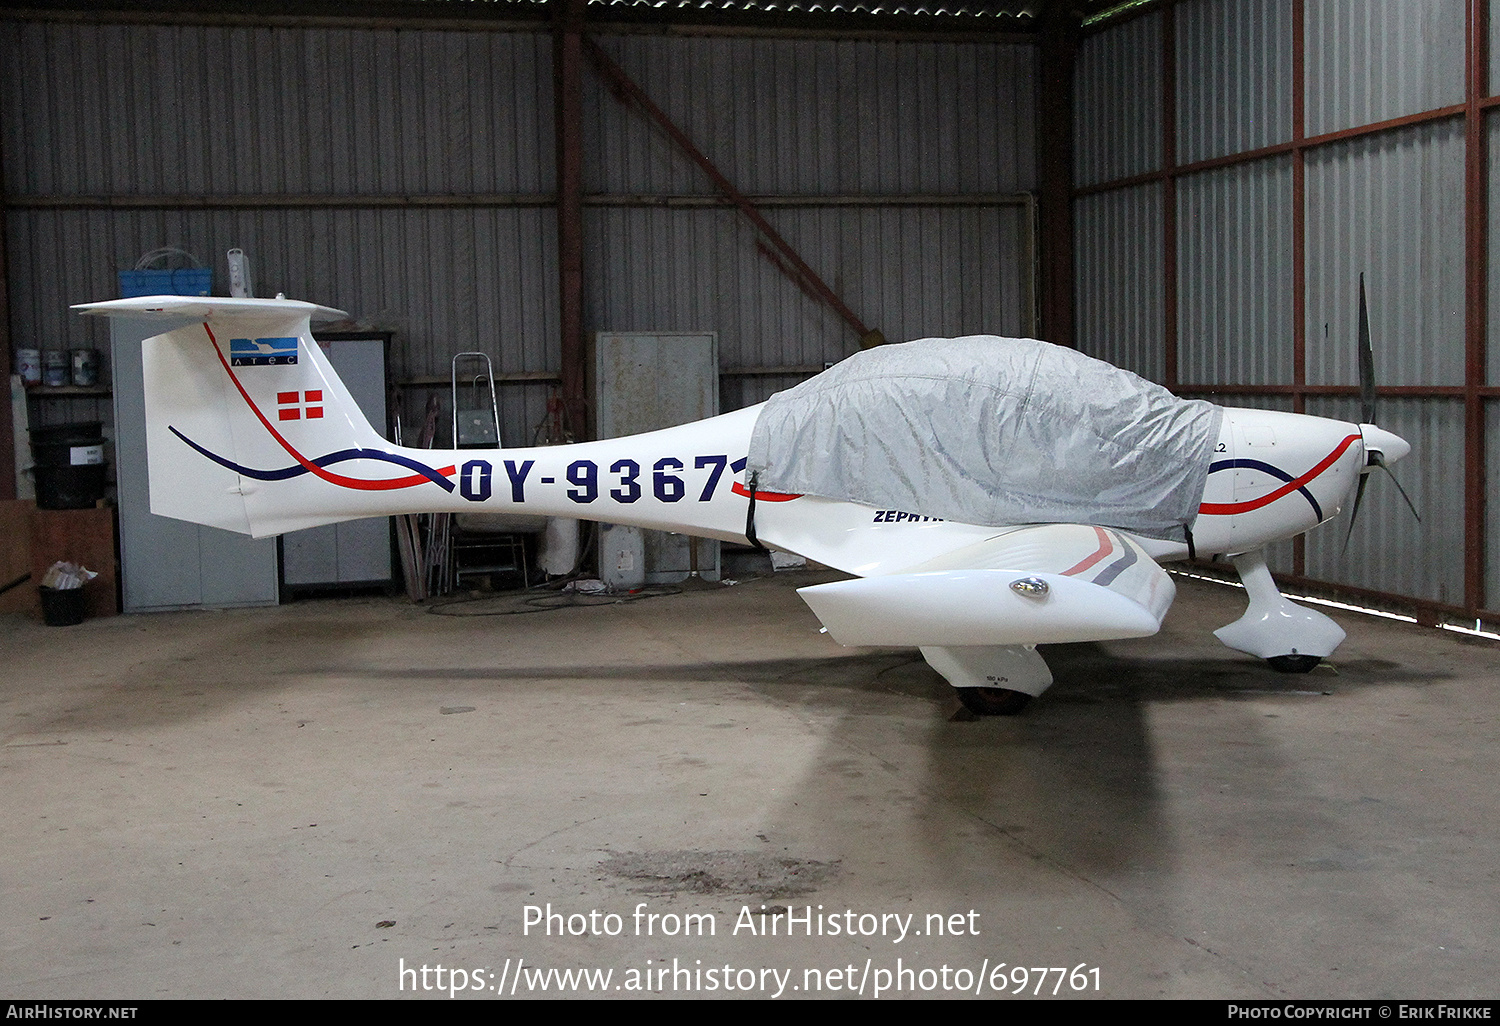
(567, 68)
(1476, 307)
(7, 435)
(1059, 46)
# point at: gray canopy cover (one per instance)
(991, 431)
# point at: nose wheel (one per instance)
(977, 673)
(1292, 638)
(993, 701)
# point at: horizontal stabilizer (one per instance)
(205, 308)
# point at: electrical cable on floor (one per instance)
(548, 602)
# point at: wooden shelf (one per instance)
(515, 377)
(68, 391)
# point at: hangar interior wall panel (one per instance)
(204, 110)
(1117, 109)
(1234, 74)
(1492, 504)
(1390, 206)
(817, 117)
(1236, 289)
(1369, 62)
(960, 272)
(739, 391)
(443, 281)
(1120, 269)
(814, 118)
(1492, 233)
(1494, 46)
(647, 382)
(417, 116)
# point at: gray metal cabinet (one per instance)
(166, 563)
(172, 564)
(644, 381)
(356, 551)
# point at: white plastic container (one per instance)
(622, 557)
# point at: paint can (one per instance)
(29, 366)
(54, 368)
(85, 367)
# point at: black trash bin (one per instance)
(69, 465)
(61, 607)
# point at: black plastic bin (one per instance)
(61, 607)
(69, 465)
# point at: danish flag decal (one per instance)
(291, 408)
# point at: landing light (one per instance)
(1031, 587)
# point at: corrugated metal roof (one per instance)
(983, 15)
(872, 8)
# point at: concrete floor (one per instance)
(301, 801)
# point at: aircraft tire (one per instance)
(993, 701)
(1294, 663)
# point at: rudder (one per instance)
(248, 391)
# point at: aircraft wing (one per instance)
(1041, 584)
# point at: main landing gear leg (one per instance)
(1292, 638)
(998, 680)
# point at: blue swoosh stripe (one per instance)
(1275, 472)
(1118, 567)
(297, 470)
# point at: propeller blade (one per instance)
(1366, 360)
(1359, 495)
(1377, 460)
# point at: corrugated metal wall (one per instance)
(1388, 203)
(1235, 302)
(1492, 500)
(1492, 370)
(199, 110)
(1117, 113)
(956, 271)
(1118, 242)
(438, 148)
(1369, 62)
(819, 117)
(1492, 328)
(1388, 550)
(1234, 77)
(1391, 207)
(809, 119)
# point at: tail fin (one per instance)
(248, 391)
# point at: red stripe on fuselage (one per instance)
(1105, 548)
(308, 465)
(761, 496)
(1221, 509)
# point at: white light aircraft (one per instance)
(249, 429)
